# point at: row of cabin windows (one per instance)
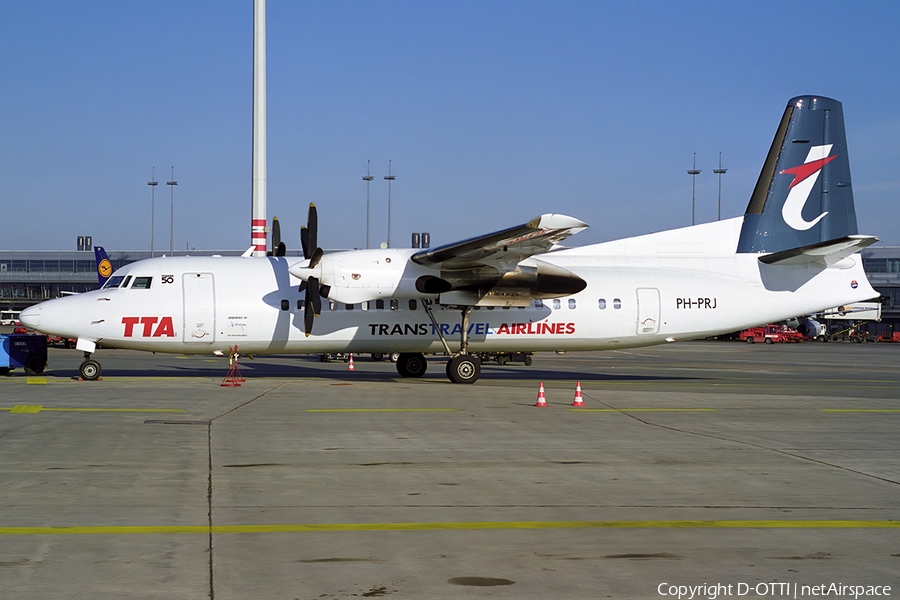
(413, 305)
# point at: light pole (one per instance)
(153, 183)
(172, 183)
(693, 173)
(720, 171)
(367, 179)
(389, 178)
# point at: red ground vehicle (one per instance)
(770, 334)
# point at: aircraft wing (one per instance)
(502, 249)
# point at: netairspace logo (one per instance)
(772, 590)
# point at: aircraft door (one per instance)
(648, 311)
(199, 308)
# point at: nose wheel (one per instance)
(90, 369)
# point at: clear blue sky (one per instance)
(493, 112)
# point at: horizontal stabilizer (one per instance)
(827, 253)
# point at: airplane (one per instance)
(794, 252)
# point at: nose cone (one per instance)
(31, 317)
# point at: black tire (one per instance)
(770, 341)
(501, 359)
(411, 364)
(528, 360)
(750, 340)
(377, 356)
(34, 365)
(4, 371)
(464, 368)
(90, 370)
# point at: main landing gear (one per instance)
(90, 369)
(462, 366)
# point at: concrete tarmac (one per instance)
(769, 469)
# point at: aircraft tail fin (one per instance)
(104, 266)
(803, 196)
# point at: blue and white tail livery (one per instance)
(793, 253)
(804, 196)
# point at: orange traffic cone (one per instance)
(350, 368)
(541, 401)
(578, 401)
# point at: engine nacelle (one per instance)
(355, 276)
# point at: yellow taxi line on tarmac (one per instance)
(483, 525)
(36, 408)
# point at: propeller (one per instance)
(309, 240)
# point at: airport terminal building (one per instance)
(29, 277)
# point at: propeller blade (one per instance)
(312, 223)
(308, 317)
(304, 242)
(312, 304)
(312, 290)
(281, 250)
(316, 257)
(276, 234)
(302, 287)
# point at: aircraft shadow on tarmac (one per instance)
(299, 367)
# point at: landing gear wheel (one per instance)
(411, 364)
(34, 365)
(376, 356)
(395, 356)
(90, 370)
(464, 368)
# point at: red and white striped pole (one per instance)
(258, 209)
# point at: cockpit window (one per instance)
(141, 283)
(126, 282)
(114, 282)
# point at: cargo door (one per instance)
(648, 311)
(199, 308)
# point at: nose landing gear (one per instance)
(89, 369)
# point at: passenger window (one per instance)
(142, 283)
(300, 305)
(285, 305)
(556, 304)
(379, 304)
(571, 303)
(331, 305)
(617, 304)
(349, 306)
(412, 305)
(395, 305)
(602, 303)
(539, 304)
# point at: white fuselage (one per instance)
(671, 286)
